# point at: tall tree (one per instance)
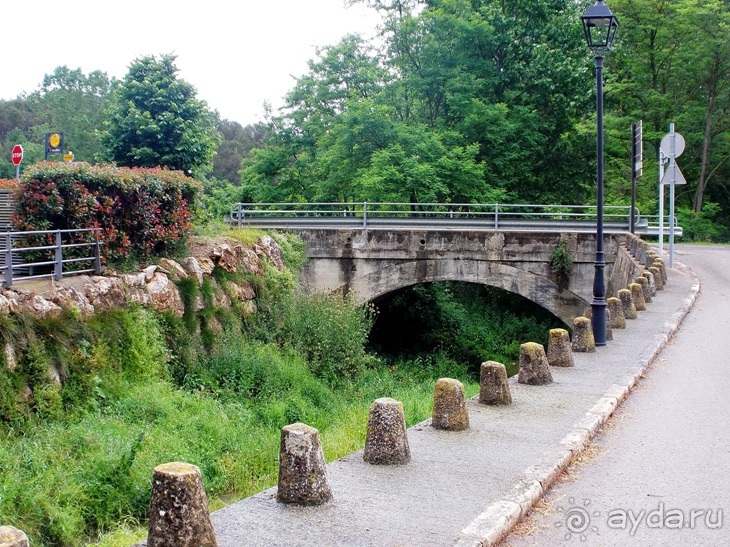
(236, 144)
(155, 119)
(73, 102)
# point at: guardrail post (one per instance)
(365, 215)
(240, 209)
(8, 260)
(496, 216)
(97, 254)
(58, 267)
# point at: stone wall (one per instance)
(154, 286)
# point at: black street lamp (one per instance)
(600, 27)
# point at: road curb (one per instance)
(499, 518)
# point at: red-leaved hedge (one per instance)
(141, 212)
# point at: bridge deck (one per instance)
(455, 476)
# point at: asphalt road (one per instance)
(659, 471)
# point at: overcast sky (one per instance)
(237, 53)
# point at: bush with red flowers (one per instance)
(141, 212)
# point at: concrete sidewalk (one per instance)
(469, 488)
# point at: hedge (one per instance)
(141, 212)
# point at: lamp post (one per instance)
(600, 27)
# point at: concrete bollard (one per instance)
(583, 340)
(302, 468)
(179, 514)
(559, 353)
(657, 278)
(386, 442)
(449, 406)
(534, 367)
(651, 256)
(637, 294)
(644, 282)
(659, 263)
(650, 280)
(12, 537)
(627, 302)
(616, 313)
(494, 384)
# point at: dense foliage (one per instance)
(154, 119)
(141, 212)
(484, 100)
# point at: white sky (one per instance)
(237, 53)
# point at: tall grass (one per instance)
(140, 389)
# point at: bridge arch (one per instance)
(392, 277)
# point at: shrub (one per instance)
(141, 212)
(329, 332)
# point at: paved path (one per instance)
(666, 452)
(469, 487)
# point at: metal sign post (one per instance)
(637, 167)
(672, 147)
(662, 160)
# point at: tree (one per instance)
(72, 102)
(155, 119)
(236, 144)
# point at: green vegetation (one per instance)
(154, 119)
(458, 322)
(141, 212)
(213, 388)
(561, 260)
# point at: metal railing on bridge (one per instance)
(454, 215)
(42, 254)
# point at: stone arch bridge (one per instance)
(373, 263)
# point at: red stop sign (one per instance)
(17, 154)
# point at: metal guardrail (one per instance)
(11, 249)
(466, 215)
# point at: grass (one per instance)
(78, 467)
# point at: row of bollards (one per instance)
(179, 513)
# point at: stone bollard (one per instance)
(659, 263)
(449, 406)
(179, 514)
(302, 468)
(559, 353)
(12, 537)
(651, 256)
(534, 367)
(628, 304)
(494, 384)
(583, 340)
(616, 313)
(386, 442)
(644, 282)
(657, 278)
(650, 280)
(637, 294)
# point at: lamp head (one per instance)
(600, 27)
